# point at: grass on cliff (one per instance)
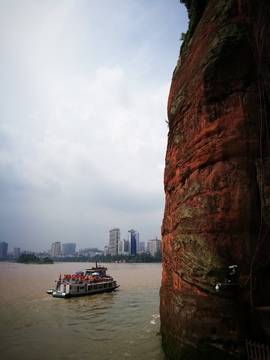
(195, 10)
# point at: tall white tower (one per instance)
(113, 241)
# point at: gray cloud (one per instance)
(83, 106)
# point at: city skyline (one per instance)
(63, 248)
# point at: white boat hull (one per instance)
(77, 290)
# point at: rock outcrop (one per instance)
(217, 185)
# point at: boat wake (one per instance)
(155, 316)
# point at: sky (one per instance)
(83, 103)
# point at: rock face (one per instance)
(217, 185)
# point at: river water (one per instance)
(114, 326)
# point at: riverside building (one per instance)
(16, 252)
(55, 249)
(113, 241)
(69, 249)
(154, 246)
(3, 249)
(133, 241)
(123, 247)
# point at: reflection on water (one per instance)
(119, 325)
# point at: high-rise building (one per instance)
(123, 247)
(113, 241)
(106, 250)
(68, 249)
(133, 241)
(3, 250)
(55, 249)
(154, 246)
(16, 252)
(141, 246)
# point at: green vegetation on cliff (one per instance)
(195, 9)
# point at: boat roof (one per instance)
(96, 268)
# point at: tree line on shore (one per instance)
(137, 258)
(33, 259)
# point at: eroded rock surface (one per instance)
(217, 185)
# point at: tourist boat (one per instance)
(92, 281)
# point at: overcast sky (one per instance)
(83, 100)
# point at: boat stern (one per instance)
(62, 291)
(60, 294)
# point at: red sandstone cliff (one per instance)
(217, 185)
